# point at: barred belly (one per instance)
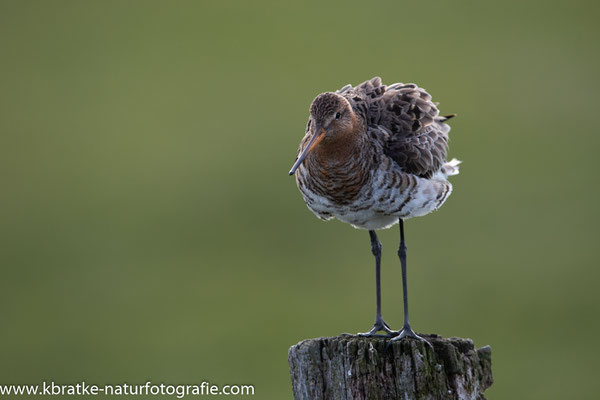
(388, 196)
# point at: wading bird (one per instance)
(373, 156)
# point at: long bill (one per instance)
(314, 141)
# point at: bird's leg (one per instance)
(406, 329)
(380, 324)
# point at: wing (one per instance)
(364, 97)
(418, 136)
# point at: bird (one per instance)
(374, 156)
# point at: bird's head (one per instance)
(330, 116)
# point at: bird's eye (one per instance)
(338, 115)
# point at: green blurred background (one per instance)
(149, 229)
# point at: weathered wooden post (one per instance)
(352, 368)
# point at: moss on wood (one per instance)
(352, 368)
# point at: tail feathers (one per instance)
(451, 167)
(444, 118)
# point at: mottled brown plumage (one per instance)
(378, 155)
(418, 139)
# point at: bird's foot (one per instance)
(379, 326)
(408, 332)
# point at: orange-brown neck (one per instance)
(340, 145)
(338, 167)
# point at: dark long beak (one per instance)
(317, 137)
